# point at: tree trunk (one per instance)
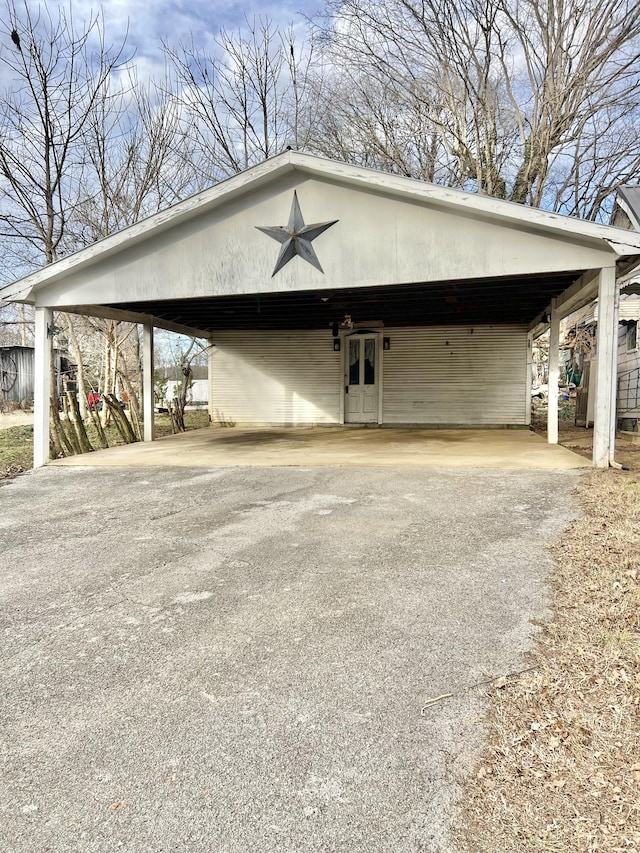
(180, 402)
(134, 406)
(174, 424)
(178, 414)
(55, 450)
(23, 326)
(120, 419)
(78, 423)
(71, 433)
(106, 385)
(61, 437)
(77, 356)
(102, 436)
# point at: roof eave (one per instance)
(17, 292)
(625, 203)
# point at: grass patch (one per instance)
(16, 450)
(196, 419)
(16, 443)
(562, 770)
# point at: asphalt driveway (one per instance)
(238, 659)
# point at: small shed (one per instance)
(334, 294)
(17, 379)
(16, 374)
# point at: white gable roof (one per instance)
(391, 229)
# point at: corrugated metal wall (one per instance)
(275, 378)
(456, 375)
(436, 375)
(22, 388)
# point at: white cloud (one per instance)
(149, 22)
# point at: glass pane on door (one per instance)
(370, 362)
(354, 361)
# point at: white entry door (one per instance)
(361, 389)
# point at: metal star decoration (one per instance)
(296, 238)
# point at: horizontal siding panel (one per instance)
(274, 377)
(456, 375)
(629, 306)
(626, 360)
(436, 375)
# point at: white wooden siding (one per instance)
(456, 375)
(629, 310)
(626, 360)
(198, 390)
(438, 375)
(629, 306)
(275, 377)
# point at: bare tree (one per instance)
(363, 120)
(58, 78)
(57, 74)
(16, 325)
(135, 160)
(582, 78)
(532, 100)
(83, 153)
(186, 354)
(432, 62)
(244, 101)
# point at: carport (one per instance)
(383, 300)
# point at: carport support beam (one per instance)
(42, 385)
(147, 381)
(529, 378)
(606, 345)
(613, 426)
(554, 374)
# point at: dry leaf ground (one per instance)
(562, 769)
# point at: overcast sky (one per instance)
(151, 21)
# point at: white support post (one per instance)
(42, 386)
(554, 374)
(606, 348)
(147, 381)
(613, 427)
(210, 358)
(529, 379)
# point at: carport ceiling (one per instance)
(474, 301)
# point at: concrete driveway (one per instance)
(238, 659)
(431, 448)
